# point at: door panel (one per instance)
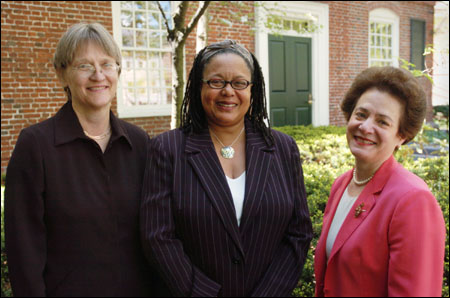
(278, 115)
(290, 80)
(279, 72)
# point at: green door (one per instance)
(290, 80)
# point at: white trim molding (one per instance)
(300, 10)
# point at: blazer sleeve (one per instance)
(285, 270)
(417, 247)
(25, 232)
(160, 243)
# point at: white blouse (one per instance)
(344, 207)
(237, 187)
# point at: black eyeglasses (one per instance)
(239, 84)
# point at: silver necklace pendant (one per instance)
(227, 152)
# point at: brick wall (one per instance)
(349, 43)
(218, 31)
(348, 23)
(30, 91)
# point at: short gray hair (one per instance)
(78, 35)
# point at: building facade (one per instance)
(310, 52)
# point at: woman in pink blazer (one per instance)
(383, 231)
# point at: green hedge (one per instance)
(326, 156)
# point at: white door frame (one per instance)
(300, 10)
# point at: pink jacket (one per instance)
(394, 247)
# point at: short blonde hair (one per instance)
(78, 35)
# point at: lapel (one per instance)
(258, 162)
(367, 197)
(203, 159)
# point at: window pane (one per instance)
(141, 96)
(127, 59)
(126, 19)
(141, 78)
(153, 21)
(152, 5)
(139, 5)
(141, 39)
(167, 60)
(127, 78)
(127, 38)
(168, 96)
(154, 60)
(287, 25)
(155, 96)
(141, 60)
(140, 20)
(168, 78)
(165, 5)
(154, 79)
(154, 41)
(128, 97)
(165, 42)
(126, 4)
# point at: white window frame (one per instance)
(138, 111)
(386, 16)
(292, 11)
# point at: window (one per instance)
(380, 44)
(145, 87)
(383, 38)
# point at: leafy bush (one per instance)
(325, 156)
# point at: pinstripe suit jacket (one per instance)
(188, 221)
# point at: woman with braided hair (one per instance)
(224, 211)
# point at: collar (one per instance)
(381, 176)
(197, 142)
(68, 128)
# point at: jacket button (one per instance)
(236, 261)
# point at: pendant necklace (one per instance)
(227, 151)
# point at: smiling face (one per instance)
(90, 91)
(372, 131)
(226, 107)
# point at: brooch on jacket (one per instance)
(359, 210)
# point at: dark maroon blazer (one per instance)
(188, 220)
(72, 212)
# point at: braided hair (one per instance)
(193, 118)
